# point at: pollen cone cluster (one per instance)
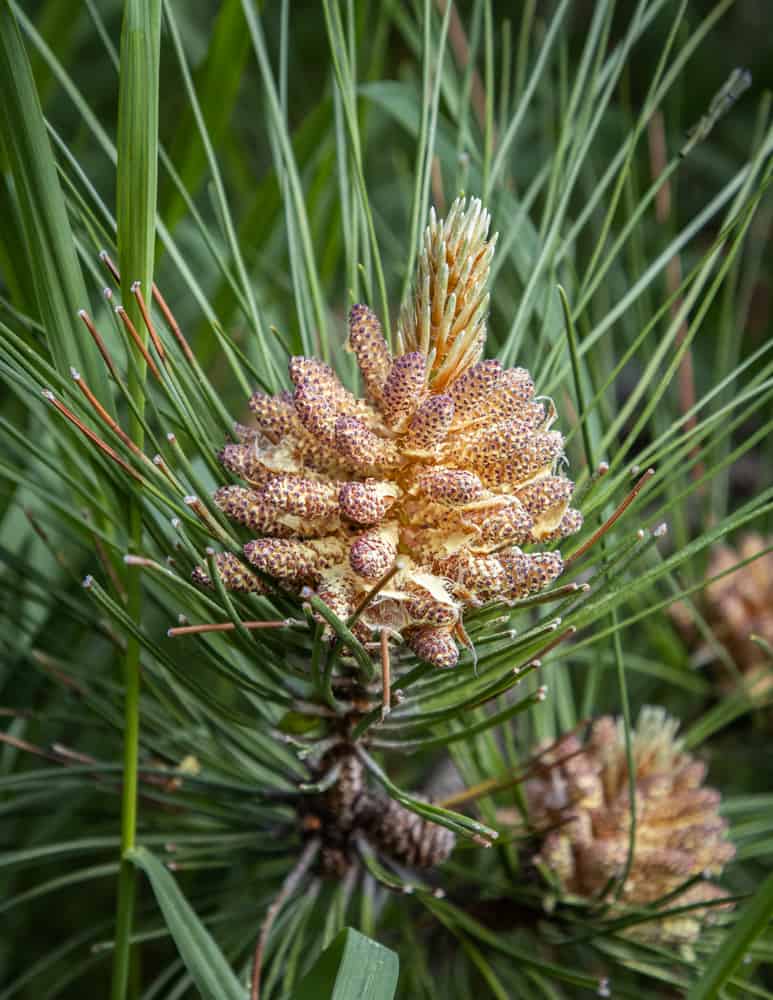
(740, 605)
(440, 475)
(580, 795)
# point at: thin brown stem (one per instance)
(618, 513)
(91, 435)
(461, 49)
(289, 886)
(492, 785)
(108, 262)
(137, 293)
(64, 753)
(18, 744)
(206, 518)
(104, 559)
(557, 641)
(101, 346)
(133, 560)
(43, 536)
(124, 317)
(159, 463)
(373, 592)
(47, 663)
(386, 675)
(105, 416)
(171, 322)
(438, 194)
(533, 662)
(218, 626)
(551, 595)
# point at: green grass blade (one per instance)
(136, 191)
(58, 22)
(218, 81)
(347, 89)
(286, 163)
(205, 962)
(251, 306)
(500, 160)
(352, 968)
(753, 920)
(56, 276)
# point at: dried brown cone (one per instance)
(740, 605)
(440, 476)
(406, 837)
(579, 797)
(349, 809)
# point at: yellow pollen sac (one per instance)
(338, 589)
(275, 415)
(435, 478)
(372, 554)
(545, 495)
(512, 466)
(358, 445)
(245, 434)
(528, 574)
(293, 561)
(547, 501)
(512, 399)
(320, 376)
(474, 388)
(304, 497)
(368, 502)
(251, 509)
(243, 461)
(233, 573)
(454, 487)
(570, 524)
(315, 405)
(423, 609)
(479, 579)
(430, 424)
(404, 389)
(508, 524)
(435, 645)
(366, 340)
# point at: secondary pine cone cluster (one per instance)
(740, 605)
(580, 794)
(349, 809)
(441, 474)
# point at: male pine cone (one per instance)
(439, 476)
(579, 795)
(739, 606)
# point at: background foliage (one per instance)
(299, 150)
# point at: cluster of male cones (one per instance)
(434, 482)
(579, 793)
(739, 607)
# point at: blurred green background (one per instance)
(235, 114)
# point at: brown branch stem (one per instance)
(289, 886)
